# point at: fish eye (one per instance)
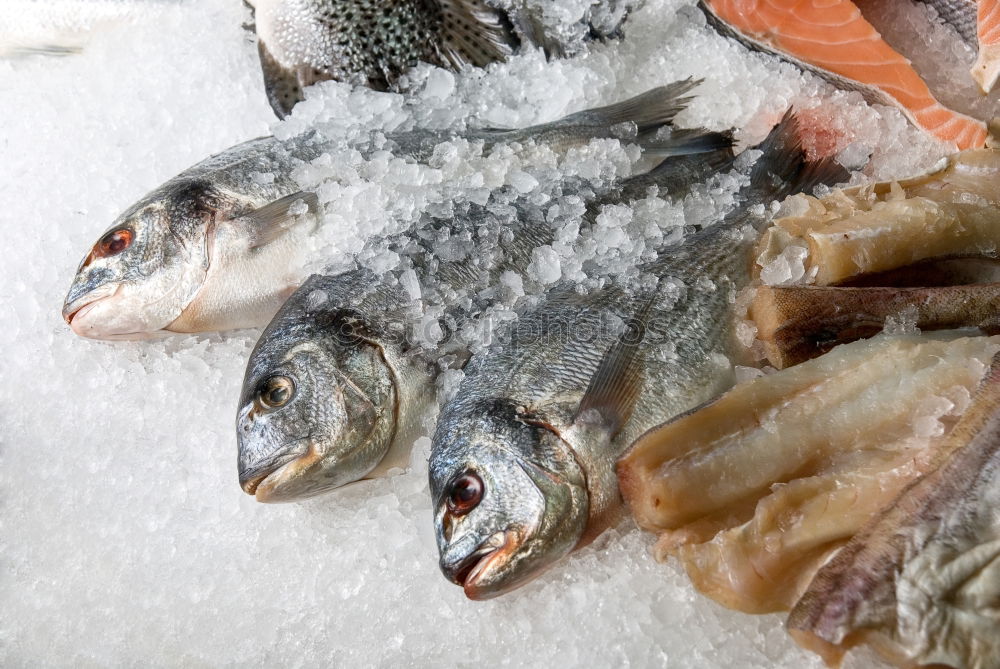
(465, 493)
(276, 392)
(113, 243)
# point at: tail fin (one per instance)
(686, 142)
(649, 111)
(784, 170)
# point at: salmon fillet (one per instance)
(832, 37)
(986, 71)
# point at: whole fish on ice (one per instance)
(374, 42)
(522, 460)
(216, 248)
(338, 383)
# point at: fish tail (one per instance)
(785, 170)
(686, 142)
(476, 33)
(648, 111)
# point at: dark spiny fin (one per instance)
(784, 170)
(283, 88)
(615, 386)
(687, 141)
(532, 32)
(271, 221)
(649, 111)
(475, 33)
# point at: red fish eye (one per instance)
(113, 243)
(465, 493)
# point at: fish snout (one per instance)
(81, 301)
(249, 481)
(463, 570)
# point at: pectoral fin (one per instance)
(273, 220)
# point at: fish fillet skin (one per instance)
(753, 492)
(921, 582)
(777, 428)
(986, 70)
(951, 212)
(831, 36)
(796, 323)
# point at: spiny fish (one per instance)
(833, 39)
(522, 460)
(374, 42)
(215, 248)
(371, 41)
(337, 384)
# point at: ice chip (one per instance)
(545, 265)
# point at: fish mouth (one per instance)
(472, 569)
(272, 485)
(73, 311)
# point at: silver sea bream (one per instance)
(338, 383)
(522, 460)
(218, 248)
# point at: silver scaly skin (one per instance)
(215, 249)
(178, 260)
(519, 475)
(960, 15)
(338, 382)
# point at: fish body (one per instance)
(836, 42)
(358, 352)
(220, 246)
(374, 42)
(182, 259)
(541, 474)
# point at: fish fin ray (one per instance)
(649, 111)
(687, 141)
(785, 170)
(282, 84)
(274, 219)
(614, 388)
(475, 33)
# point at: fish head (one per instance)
(510, 498)
(147, 267)
(318, 408)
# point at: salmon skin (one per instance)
(832, 39)
(986, 71)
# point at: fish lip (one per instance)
(86, 302)
(261, 486)
(468, 572)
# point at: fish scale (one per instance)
(550, 484)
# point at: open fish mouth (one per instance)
(266, 485)
(472, 569)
